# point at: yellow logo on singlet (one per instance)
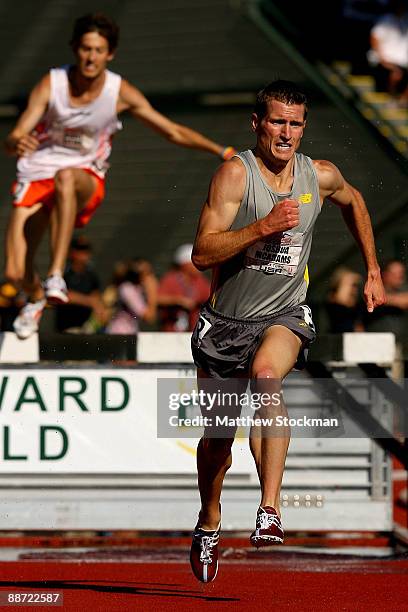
(305, 198)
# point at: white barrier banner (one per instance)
(80, 421)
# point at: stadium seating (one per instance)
(378, 107)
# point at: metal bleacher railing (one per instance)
(378, 107)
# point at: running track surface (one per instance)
(139, 580)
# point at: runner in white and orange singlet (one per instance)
(63, 142)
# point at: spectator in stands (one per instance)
(392, 317)
(357, 17)
(343, 305)
(136, 297)
(110, 293)
(63, 142)
(389, 51)
(182, 291)
(85, 311)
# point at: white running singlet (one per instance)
(73, 136)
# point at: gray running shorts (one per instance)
(224, 347)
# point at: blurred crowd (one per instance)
(344, 309)
(134, 297)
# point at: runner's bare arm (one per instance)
(21, 141)
(215, 242)
(354, 210)
(134, 101)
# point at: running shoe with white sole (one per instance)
(204, 553)
(27, 322)
(55, 290)
(268, 529)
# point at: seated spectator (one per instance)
(85, 305)
(343, 305)
(136, 296)
(182, 291)
(356, 21)
(392, 316)
(389, 51)
(110, 293)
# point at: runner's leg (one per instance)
(213, 461)
(28, 320)
(73, 188)
(34, 232)
(273, 360)
(53, 232)
(16, 243)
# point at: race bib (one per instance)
(278, 254)
(76, 139)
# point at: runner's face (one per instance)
(93, 55)
(280, 131)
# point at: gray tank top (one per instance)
(271, 275)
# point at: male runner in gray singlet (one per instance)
(255, 232)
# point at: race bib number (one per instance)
(276, 255)
(76, 139)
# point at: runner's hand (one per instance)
(26, 145)
(374, 294)
(283, 216)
